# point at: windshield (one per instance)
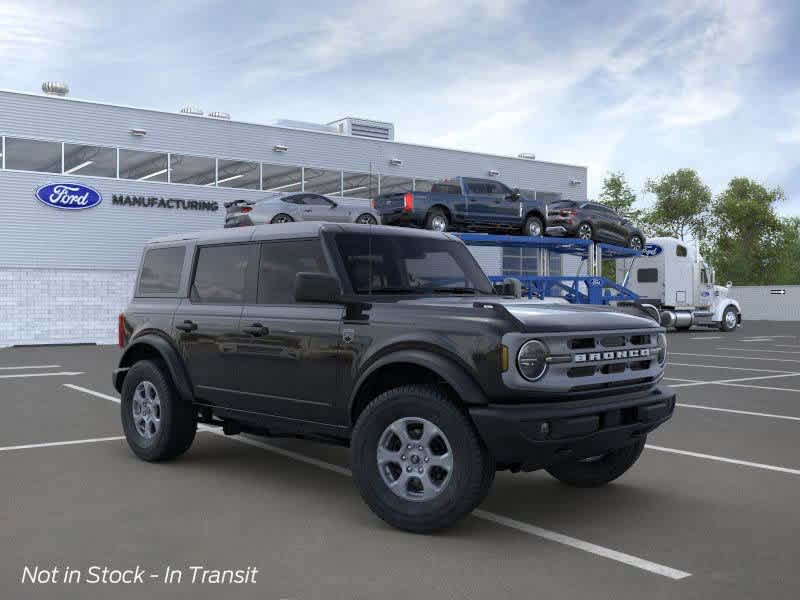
(382, 264)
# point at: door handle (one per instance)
(256, 329)
(187, 326)
(307, 210)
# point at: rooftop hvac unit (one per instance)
(218, 114)
(192, 110)
(55, 88)
(376, 130)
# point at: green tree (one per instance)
(749, 240)
(681, 207)
(618, 195)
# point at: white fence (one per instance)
(768, 302)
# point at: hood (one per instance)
(545, 317)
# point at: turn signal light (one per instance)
(408, 202)
(246, 209)
(503, 358)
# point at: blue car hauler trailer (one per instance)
(591, 288)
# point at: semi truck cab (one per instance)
(674, 277)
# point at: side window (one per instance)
(161, 272)
(703, 276)
(497, 188)
(680, 251)
(295, 199)
(280, 264)
(219, 276)
(647, 275)
(474, 187)
(316, 200)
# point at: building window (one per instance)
(520, 262)
(33, 155)
(194, 170)
(144, 166)
(360, 185)
(396, 185)
(90, 160)
(238, 174)
(555, 263)
(280, 178)
(323, 181)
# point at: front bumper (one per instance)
(533, 436)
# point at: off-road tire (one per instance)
(471, 476)
(600, 471)
(177, 419)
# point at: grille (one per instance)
(601, 354)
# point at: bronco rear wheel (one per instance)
(418, 461)
(157, 422)
(598, 470)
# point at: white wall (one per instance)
(760, 304)
(58, 306)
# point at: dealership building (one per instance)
(66, 274)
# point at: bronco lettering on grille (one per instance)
(615, 355)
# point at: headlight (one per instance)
(662, 348)
(532, 360)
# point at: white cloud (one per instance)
(33, 33)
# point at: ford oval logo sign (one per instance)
(68, 196)
(652, 250)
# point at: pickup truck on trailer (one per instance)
(391, 341)
(463, 204)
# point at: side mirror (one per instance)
(317, 287)
(333, 204)
(514, 195)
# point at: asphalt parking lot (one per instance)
(709, 511)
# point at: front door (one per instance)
(320, 208)
(207, 323)
(290, 364)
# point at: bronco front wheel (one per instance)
(418, 461)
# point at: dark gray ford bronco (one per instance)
(394, 342)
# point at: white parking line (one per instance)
(566, 540)
(60, 373)
(66, 443)
(706, 337)
(733, 461)
(725, 367)
(694, 382)
(764, 350)
(547, 534)
(92, 392)
(791, 360)
(30, 367)
(739, 412)
(786, 345)
(761, 387)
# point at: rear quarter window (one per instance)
(161, 272)
(445, 188)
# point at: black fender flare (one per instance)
(454, 374)
(167, 352)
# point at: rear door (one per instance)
(289, 366)
(207, 323)
(478, 202)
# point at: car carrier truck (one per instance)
(671, 275)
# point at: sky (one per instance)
(639, 87)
